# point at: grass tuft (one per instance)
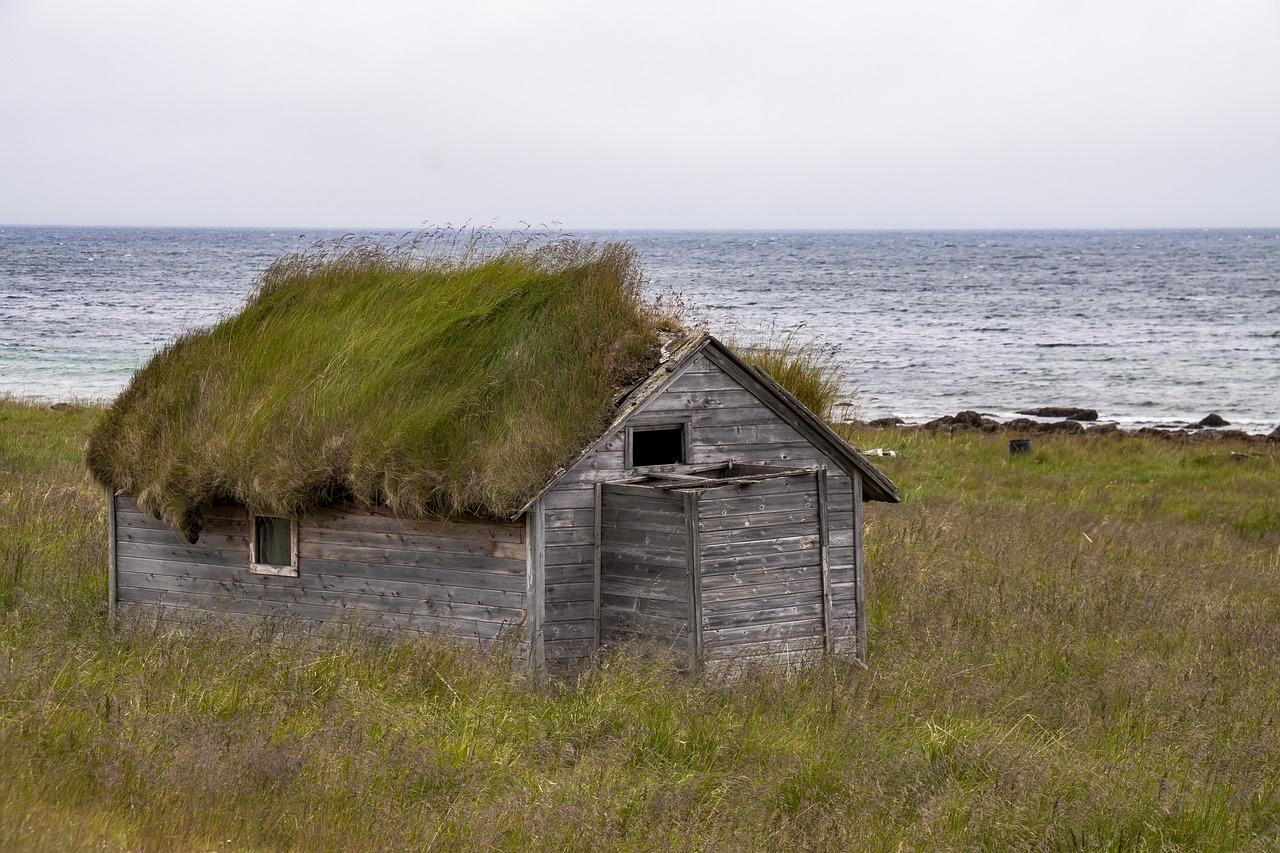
(437, 378)
(810, 368)
(1075, 650)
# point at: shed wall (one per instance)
(726, 422)
(761, 584)
(645, 583)
(465, 579)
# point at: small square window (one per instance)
(273, 545)
(664, 445)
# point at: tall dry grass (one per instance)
(1074, 650)
(810, 368)
(452, 380)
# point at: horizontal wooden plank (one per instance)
(567, 496)
(725, 580)
(566, 651)
(678, 644)
(353, 519)
(569, 555)
(419, 559)
(804, 484)
(185, 606)
(578, 573)
(331, 586)
(774, 431)
(716, 618)
(312, 537)
(749, 505)
(753, 535)
(809, 586)
(126, 504)
(563, 536)
(584, 516)
(330, 592)
(760, 521)
(625, 562)
(207, 541)
(644, 605)
(784, 545)
(653, 625)
(581, 629)
(657, 588)
(561, 611)
(675, 402)
(770, 561)
(630, 540)
(766, 633)
(636, 517)
(631, 580)
(512, 580)
(797, 454)
(601, 466)
(645, 494)
(229, 527)
(570, 591)
(184, 554)
(245, 582)
(767, 653)
(712, 379)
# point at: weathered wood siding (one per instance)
(465, 579)
(761, 567)
(726, 422)
(645, 580)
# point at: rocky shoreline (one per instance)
(1076, 421)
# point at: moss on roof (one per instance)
(437, 387)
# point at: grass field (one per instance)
(1074, 649)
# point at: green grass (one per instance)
(439, 384)
(810, 368)
(451, 382)
(1077, 649)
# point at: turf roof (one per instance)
(439, 387)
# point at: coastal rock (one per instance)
(1068, 412)
(969, 419)
(1214, 420)
(1103, 429)
(963, 420)
(886, 422)
(1022, 425)
(1274, 435)
(1062, 426)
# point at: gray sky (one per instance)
(1153, 113)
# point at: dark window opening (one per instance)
(657, 446)
(272, 541)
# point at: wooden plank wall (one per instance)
(464, 579)
(727, 422)
(761, 561)
(644, 568)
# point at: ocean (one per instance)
(1147, 327)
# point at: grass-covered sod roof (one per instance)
(443, 386)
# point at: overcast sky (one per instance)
(858, 115)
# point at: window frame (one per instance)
(289, 571)
(685, 444)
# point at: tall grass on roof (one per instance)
(451, 384)
(809, 367)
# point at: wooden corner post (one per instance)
(535, 586)
(112, 560)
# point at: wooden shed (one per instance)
(713, 513)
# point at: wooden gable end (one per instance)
(726, 420)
